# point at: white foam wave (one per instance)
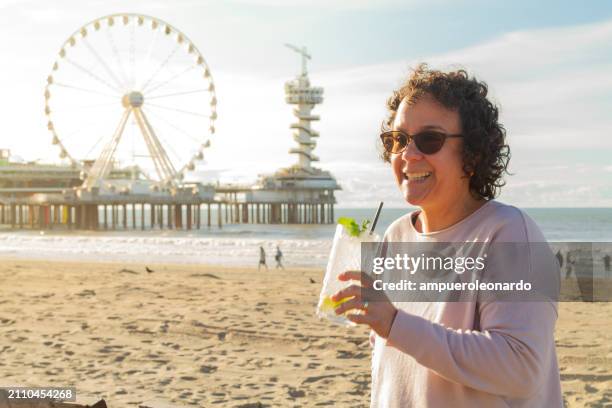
(162, 249)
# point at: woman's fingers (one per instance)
(359, 292)
(351, 304)
(350, 275)
(361, 319)
(365, 279)
(353, 290)
(379, 313)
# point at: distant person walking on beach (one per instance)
(262, 259)
(278, 258)
(559, 256)
(568, 265)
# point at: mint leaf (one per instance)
(351, 226)
(364, 225)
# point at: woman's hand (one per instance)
(378, 311)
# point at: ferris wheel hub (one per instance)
(133, 99)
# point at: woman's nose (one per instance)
(411, 152)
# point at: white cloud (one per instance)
(336, 4)
(553, 86)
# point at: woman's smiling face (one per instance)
(429, 181)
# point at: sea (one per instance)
(238, 245)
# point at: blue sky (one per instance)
(548, 65)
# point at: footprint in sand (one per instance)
(86, 292)
(122, 357)
(166, 381)
(295, 393)
(207, 369)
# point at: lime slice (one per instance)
(330, 305)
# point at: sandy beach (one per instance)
(192, 335)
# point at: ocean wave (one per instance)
(236, 251)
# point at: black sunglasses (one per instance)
(428, 141)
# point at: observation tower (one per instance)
(299, 92)
(300, 193)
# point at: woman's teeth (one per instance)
(417, 176)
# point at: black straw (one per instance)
(376, 218)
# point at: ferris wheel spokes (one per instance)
(113, 76)
(178, 94)
(160, 67)
(78, 88)
(111, 40)
(92, 75)
(172, 125)
(186, 112)
(172, 78)
(132, 54)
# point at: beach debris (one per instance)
(340, 354)
(149, 270)
(124, 270)
(295, 393)
(4, 321)
(312, 280)
(87, 292)
(99, 404)
(205, 275)
(164, 327)
(316, 378)
(207, 369)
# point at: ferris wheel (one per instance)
(130, 94)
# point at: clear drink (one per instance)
(345, 256)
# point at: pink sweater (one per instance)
(443, 355)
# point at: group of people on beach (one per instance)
(278, 257)
(570, 262)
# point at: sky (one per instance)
(548, 65)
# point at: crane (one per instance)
(303, 52)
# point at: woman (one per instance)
(448, 153)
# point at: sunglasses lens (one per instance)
(429, 142)
(394, 142)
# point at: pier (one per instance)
(157, 215)
(103, 195)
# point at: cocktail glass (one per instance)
(345, 256)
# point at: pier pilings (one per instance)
(141, 215)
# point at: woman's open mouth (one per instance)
(417, 177)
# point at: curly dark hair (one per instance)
(485, 152)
